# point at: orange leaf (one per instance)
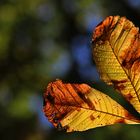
(78, 107)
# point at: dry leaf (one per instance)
(78, 107)
(116, 50)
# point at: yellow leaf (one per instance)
(78, 107)
(116, 51)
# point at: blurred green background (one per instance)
(41, 40)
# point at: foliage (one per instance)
(78, 107)
(38, 39)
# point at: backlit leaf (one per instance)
(116, 50)
(78, 107)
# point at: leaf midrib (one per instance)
(123, 117)
(124, 71)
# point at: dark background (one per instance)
(44, 40)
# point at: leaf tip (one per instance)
(104, 27)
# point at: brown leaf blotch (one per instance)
(50, 98)
(61, 128)
(129, 64)
(61, 98)
(118, 81)
(92, 117)
(44, 102)
(102, 31)
(119, 84)
(120, 121)
(131, 117)
(128, 97)
(132, 53)
(90, 104)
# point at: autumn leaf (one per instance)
(116, 51)
(78, 107)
